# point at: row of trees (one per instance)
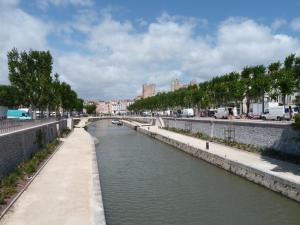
(90, 108)
(33, 84)
(252, 83)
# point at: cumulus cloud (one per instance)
(44, 4)
(278, 23)
(116, 56)
(295, 24)
(122, 58)
(243, 41)
(19, 30)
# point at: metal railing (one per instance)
(10, 125)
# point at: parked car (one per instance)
(290, 112)
(167, 113)
(146, 113)
(188, 112)
(276, 113)
(160, 113)
(211, 112)
(18, 114)
(226, 112)
(27, 110)
(256, 109)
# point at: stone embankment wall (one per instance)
(149, 120)
(274, 135)
(277, 184)
(18, 146)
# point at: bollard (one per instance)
(207, 145)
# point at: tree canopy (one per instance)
(33, 84)
(90, 108)
(252, 84)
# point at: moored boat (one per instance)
(117, 122)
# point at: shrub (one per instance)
(65, 132)
(296, 126)
(9, 183)
(2, 199)
(297, 122)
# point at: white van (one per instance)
(146, 113)
(275, 113)
(188, 112)
(225, 112)
(256, 109)
(167, 113)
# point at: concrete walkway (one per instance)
(277, 175)
(67, 191)
(284, 170)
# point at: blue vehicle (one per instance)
(18, 114)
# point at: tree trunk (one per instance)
(263, 102)
(248, 106)
(283, 100)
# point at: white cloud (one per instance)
(44, 4)
(123, 58)
(243, 42)
(295, 24)
(20, 30)
(119, 57)
(5, 4)
(278, 23)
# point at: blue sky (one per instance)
(108, 49)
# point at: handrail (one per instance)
(9, 125)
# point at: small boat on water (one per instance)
(117, 122)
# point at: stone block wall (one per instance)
(275, 183)
(264, 135)
(18, 146)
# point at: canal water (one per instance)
(146, 182)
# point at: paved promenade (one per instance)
(285, 170)
(277, 175)
(67, 190)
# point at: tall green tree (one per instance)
(246, 76)
(90, 108)
(230, 89)
(261, 83)
(286, 82)
(56, 97)
(273, 72)
(30, 73)
(9, 96)
(79, 105)
(68, 97)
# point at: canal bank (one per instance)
(279, 176)
(145, 181)
(66, 191)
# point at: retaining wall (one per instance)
(18, 146)
(150, 120)
(264, 135)
(277, 184)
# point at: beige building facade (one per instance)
(103, 108)
(175, 85)
(113, 107)
(148, 90)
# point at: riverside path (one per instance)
(66, 191)
(277, 175)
